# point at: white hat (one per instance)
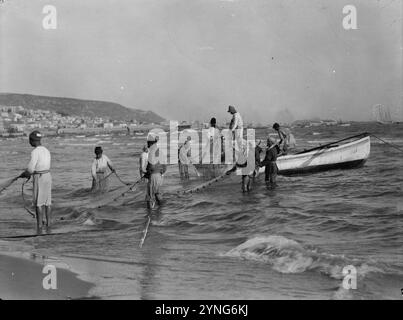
(152, 138)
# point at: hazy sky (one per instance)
(189, 59)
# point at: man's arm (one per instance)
(109, 163)
(234, 123)
(94, 169)
(31, 165)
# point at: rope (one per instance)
(8, 184)
(124, 193)
(387, 143)
(125, 183)
(24, 201)
(117, 176)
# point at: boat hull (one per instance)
(347, 156)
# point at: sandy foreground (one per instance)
(22, 279)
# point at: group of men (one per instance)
(149, 167)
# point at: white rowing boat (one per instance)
(345, 156)
(348, 155)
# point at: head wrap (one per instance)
(231, 109)
(98, 150)
(35, 136)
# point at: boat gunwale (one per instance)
(325, 150)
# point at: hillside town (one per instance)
(17, 121)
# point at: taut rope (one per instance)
(387, 143)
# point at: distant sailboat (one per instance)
(381, 114)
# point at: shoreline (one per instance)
(21, 279)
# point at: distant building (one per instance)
(108, 125)
(1, 125)
(330, 122)
(17, 127)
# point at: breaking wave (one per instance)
(288, 256)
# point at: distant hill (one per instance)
(78, 107)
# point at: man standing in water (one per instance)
(270, 163)
(98, 170)
(39, 169)
(184, 160)
(155, 171)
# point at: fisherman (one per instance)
(287, 140)
(270, 163)
(247, 171)
(143, 161)
(39, 169)
(99, 169)
(236, 126)
(216, 141)
(184, 159)
(155, 171)
(258, 152)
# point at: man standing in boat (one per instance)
(155, 171)
(236, 126)
(39, 169)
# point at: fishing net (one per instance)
(210, 171)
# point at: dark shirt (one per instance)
(156, 168)
(271, 156)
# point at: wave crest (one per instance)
(288, 256)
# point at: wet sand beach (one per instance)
(21, 279)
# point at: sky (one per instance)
(190, 59)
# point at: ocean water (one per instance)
(289, 243)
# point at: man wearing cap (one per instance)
(155, 170)
(236, 126)
(39, 169)
(100, 165)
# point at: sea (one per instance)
(297, 241)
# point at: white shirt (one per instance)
(213, 133)
(40, 160)
(100, 165)
(143, 162)
(237, 122)
(183, 153)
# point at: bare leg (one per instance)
(48, 214)
(39, 217)
(273, 180)
(158, 198)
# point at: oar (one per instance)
(332, 143)
(7, 184)
(145, 231)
